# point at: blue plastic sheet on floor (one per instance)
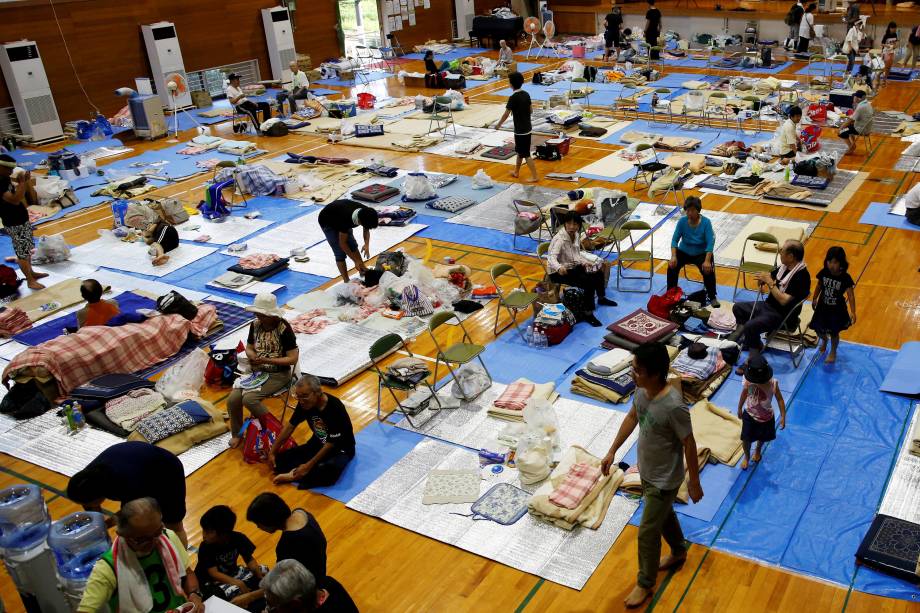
(820, 68)
(453, 54)
(904, 375)
(508, 362)
(178, 166)
(31, 158)
(368, 77)
(378, 447)
(83, 188)
(877, 215)
(704, 135)
(582, 340)
(485, 238)
(128, 302)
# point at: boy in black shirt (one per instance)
(320, 460)
(612, 24)
(221, 548)
(519, 108)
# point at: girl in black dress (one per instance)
(831, 312)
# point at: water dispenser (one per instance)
(77, 541)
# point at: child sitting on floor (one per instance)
(221, 548)
(755, 408)
(831, 316)
(162, 238)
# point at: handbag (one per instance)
(578, 301)
(258, 437)
(661, 306)
(415, 303)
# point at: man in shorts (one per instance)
(15, 192)
(519, 108)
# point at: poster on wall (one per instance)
(412, 19)
(426, 4)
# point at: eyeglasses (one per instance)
(144, 540)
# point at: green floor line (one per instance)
(19, 475)
(529, 596)
(664, 585)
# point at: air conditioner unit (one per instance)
(280, 37)
(147, 115)
(166, 59)
(30, 91)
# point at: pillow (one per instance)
(173, 420)
(185, 440)
(782, 234)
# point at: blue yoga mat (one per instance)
(904, 375)
(877, 215)
(128, 302)
(31, 158)
(374, 75)
(379, 446)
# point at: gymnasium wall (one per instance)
(430, 24)
(104, 37)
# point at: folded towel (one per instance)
(577, 483)
(515, 396)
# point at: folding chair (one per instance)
(214, 191)
(648, 171)
(716, 107)
(695, 106)
(834, 72)
(241, 122)
(457, 354)
(378, 351)
(513, 301)
(627, 101)
(542, 250)
(745, 267)
(663, 105)
(756, 104)
(712, 62)
(529, 219)
(816, 68)
(441, 112)
(677, 185)
(789, 335)
(614, 234)
(587, 96)
(395, 47)
(631, 254)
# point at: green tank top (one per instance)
(164, 598)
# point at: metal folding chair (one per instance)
(627, 101)
(529, 220)
(377, 352)
(459, 353)
(646, 172)
(587, 96)
(630, 254)
(662, 106)
(745, 267)
(441, 112)
(515, 301)
(790, 335)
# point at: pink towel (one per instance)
(515, 396)
(577, 483)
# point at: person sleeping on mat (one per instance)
(162, 238)
(97, 311)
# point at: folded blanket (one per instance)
(515, 396)
(694, 390)
(914, 442)
(135, 406)
(621, 383)
(609, 363)
(632, 482)
(717, 430)
(13, 321)
(592, 508)
(185, 440)
(701, 369)
(578, 483)
(541, 391)
(583, 387)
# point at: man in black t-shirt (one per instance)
(131, 470)
(320, 460)
(291, 587)
(519, 108)
(787, 287)
(652, 28)
(338, 220)
(612, 24)
(14, 196)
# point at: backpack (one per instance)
(24, 401)
(258, 437)
(766, 58)
(170, 210)
(63, 160)
(660, 306)
(175, 303)
(221, 369)
(140, 215)
(537, 78)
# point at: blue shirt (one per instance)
(694, 241)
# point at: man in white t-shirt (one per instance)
(807, 28)
(244, 105)
(911, 202)
(788, 141)
(298, 89)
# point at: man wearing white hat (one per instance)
(272, 352)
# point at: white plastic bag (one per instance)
(481, 180)
(418, 187)
(472, 380)
(539, 414)
(183, 380)
(533, 456)
(51, 249)
(49, 188)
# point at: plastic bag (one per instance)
(51, 249)
(540, 415)
(481, 180)
(472, 380)
(49, 188)
(533, 456)
(418, 187)
(184, 379)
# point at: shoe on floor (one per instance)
(606, 302)
(714, 303)
(594, 321)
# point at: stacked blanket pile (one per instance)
(638, 328)
(511, 403)
(700, 377)
(632, 483)
(717, 430)
(607, 377)
(576, 493)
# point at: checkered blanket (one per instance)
(75, 359)
(515, 396)
(576, 485)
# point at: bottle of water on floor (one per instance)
(539, 339)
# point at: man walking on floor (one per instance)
(665, 443)
(519, 107)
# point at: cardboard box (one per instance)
(201, 99)
(304, 62)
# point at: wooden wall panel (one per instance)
(430, 24)
(105, 40)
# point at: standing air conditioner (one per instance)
(166, 60)
(29, 89)
(280, 38)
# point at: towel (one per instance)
(578, 482)
(541, 391)
(515, 396)
(718, 431)
(133, 589)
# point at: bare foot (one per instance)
(636, 597)
(282, 479)
(234, 442)
(831, 358)
(756, 456)
(533, 179)
(744, 464)
(740, 370)
(671, 561)
(35, 285)
(39, 275)
(514, 174)
(160, 260)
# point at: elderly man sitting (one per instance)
(298, 89)
(289, 587)
(787, 286)
(860, 124)
(145, 570)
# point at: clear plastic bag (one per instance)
(472, 380)
(539, 414)
(533, 456)
(184, 379)
(51, 249)
(481, 180)
(418, 187)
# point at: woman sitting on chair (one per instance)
(272, 350)
(569, 265)
(692, 243)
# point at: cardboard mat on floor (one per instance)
(844, 185)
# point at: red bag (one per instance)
(366, 100)
(818, 111)
(661, 306)
(260, 435)
(811, 138)
(555, 334)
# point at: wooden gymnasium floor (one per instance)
(387, 568)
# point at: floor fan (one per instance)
(549, 30)
(532, 27)
(176, 85)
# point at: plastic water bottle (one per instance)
(79, 420)
(529, 335)
(787, 173)
(539, 339)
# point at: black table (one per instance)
(496, 29)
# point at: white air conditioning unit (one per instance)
(280, 38)
(165, 60)
(30, 91)
(147, 115)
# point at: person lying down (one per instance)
(162, 238)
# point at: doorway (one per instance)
(360, 24)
